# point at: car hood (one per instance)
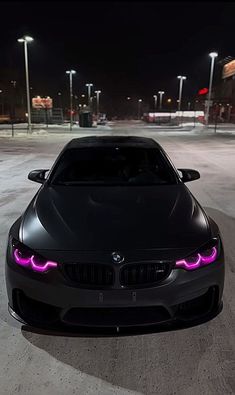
(114, 218)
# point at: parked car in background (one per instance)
(102, 119)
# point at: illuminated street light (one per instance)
(213, 55)
(181, 78)
(155, 102)
(89, 93)
(60, 99)
(26, 40)
(139, 107)
(168, 100)
(161, 93)
(129, 106)
(97, 101)
(71, 72)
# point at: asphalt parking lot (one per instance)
(197, 360)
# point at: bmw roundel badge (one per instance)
(117, 257)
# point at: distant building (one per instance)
(224, 91)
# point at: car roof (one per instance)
(111, 141)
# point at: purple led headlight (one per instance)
(198, 260)
(27, 258)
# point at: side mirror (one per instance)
(38, 175)
(189, 175)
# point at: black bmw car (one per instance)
(113, 238)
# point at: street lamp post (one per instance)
(60, 105)
(139, 106)
(155, 102)
(213, 55)
(71, 72)
(26, 40)
(89, 93)
(181, 78)
(128, 107)
(169, 101)
(161, 93)
(60, 99)
(83, 99)
(97, 102)
(13, 82)
(2, 103)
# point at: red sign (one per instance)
(203, 91)
(41, 102)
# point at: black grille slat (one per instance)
(90, 275)
(100, 276)
(85, 274)
(149, 278)
(153, 273)
(141, 274)
(144, 274)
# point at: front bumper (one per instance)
(47, 300)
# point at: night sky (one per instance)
(124, 48)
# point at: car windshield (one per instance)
(113, 166)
